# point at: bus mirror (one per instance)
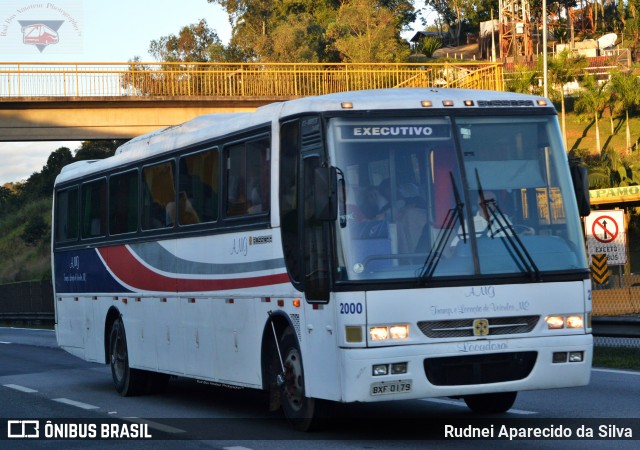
(581, 187)
(326, 186)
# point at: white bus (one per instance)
(354, 247)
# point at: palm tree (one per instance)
(523, 79)
(625, 88)
(563, 69)
(592, 100)
(612, 170)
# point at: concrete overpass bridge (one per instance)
(85, 101)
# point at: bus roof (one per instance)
(210, 126)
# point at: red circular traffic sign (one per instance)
(606, 227)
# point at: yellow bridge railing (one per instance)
(261, 80)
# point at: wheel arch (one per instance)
(112, 315)
(281, 322)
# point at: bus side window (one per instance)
(247, 167)
(67, 215)
(123, 202)
(159, 196)
(94, 210)
(198, 179)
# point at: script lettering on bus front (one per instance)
(482, 291)
(493, 307)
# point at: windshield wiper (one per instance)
(433, 258)
(504, 226)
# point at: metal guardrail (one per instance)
(619, 327)
(276, 80)
(28, 301)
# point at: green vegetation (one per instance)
(617, 357)
(25, 215)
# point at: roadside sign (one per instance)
(599, 268)
(605, 231)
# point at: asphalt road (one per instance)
(41, 382)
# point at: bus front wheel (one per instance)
(491, 403)
(297, 407)
(128, 382)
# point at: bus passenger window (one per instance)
(197, 198)
(123, 202)
(248, 178)
(159, 197)
(94, 209)
(67, 215)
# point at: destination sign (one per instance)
(395, 131)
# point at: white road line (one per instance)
(461, 404)
(17, 387)
(624, 372)
(75, 403)
(155, 425)
(236, 448)
(5, 342)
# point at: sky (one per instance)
(96, 31)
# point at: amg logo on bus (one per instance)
(486, 103)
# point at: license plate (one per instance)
(391, 387)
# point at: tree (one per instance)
(524, 80)
(35, 231)
(592, 100)
(563, 69)
(40, 184)
(97, 149)
(461, 14)
(307, 30)
(612, 169)
(366, 32)
(625, 89)
(194, 43)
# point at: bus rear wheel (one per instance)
(491, 403)
(299, 409)
(128, 382)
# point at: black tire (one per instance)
(128, 382)
(491, 403)
(300, 410)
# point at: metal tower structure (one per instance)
(515, 30)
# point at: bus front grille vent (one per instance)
(479, 369)
(465, 327)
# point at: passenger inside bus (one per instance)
(412, 220)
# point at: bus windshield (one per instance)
(431, 198)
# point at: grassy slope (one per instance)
(19, 262)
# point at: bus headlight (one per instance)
(554, 322)
(559, 322)
(379, 333)
(399, 331)
(575, 322)
(382, 333)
